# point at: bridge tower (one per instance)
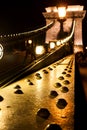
(75, 12)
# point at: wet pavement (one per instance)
(44, 97)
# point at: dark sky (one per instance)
(24, 15)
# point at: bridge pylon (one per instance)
(75, 12)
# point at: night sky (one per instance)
(24, 15)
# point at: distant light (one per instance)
(58, 43)
(62, 12)
(4, 35)
(39, 50)
(13, 34)
(30, 41)
(86, 47)
(1, 51)
(48, 9)
(52, 45)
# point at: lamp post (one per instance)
(61, 19)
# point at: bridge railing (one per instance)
(45, 60)
(25, 35)
(16, 42)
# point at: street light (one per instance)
(62, 12)
(29, 41)
(39, 50)
(52, 45)
(61, 19)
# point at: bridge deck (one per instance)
(19, 111)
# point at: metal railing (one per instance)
(24, 35)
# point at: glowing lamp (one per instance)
(58, 43)
(40, 50)
(29, 41)
(62, 12)
(52, 45)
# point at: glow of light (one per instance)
(52, 45)
(48, 9)
(86, 47)
(13, 34)
(62, 12)
(4, 35)
(1, 51)
(58, 43)
(30, 41)
(39, 50)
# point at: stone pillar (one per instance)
(51, 34)
(78, 41)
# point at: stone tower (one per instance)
(75, 12)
